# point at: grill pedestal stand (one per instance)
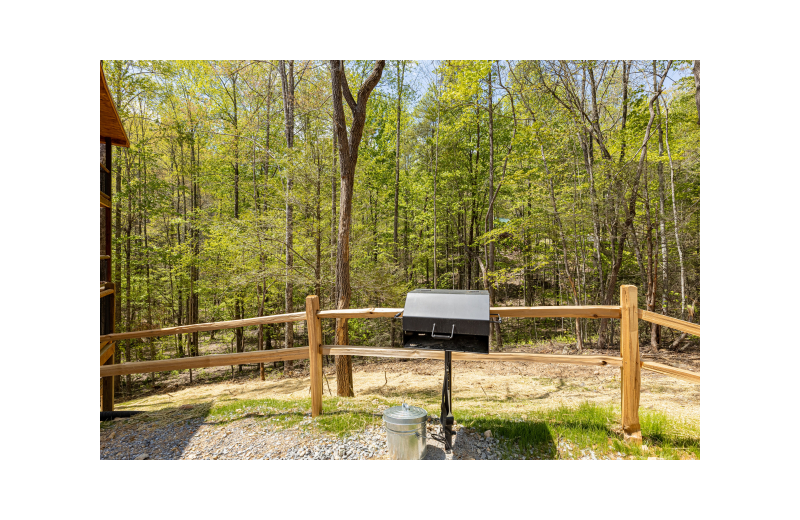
(446, 418)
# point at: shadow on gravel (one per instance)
(161, 434)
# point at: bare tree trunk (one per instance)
(348, 157)
(652, 278)
(262, 297)
(696, 71)
(435, 179)
(334, 296)
(194, 272)
(318, 237)
(266, 144)
(656, 332)
(498, 341)
(128, 306)
(626, 70)
(675, 216)
(287, 82)
(400, 77)
(589, 163)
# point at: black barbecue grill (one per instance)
(441, 319)
(449, 320)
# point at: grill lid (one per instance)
(447, 303)
(405, 414)
(452, 312)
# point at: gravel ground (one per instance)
(249, 439)
(246, 440)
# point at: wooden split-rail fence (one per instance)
(629, 361)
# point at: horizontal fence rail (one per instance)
(205, 327)
(371, 312)
(560, 311)
(666, 321)
(686, 375)
(292, 354)
(212, 360)
(339, 350)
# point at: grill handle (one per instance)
(433, 333)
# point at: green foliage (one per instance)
(194, 124)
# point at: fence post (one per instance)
(631, 368)
(314, 327)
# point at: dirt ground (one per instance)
(537, 385)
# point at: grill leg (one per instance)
(446, 417)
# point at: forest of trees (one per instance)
(252, 184)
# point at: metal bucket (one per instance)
(406, 436)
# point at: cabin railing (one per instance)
(629, 361)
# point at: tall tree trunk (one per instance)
(334, 296)
(661, 221)
(194, 271)
(651, 270)
(696, 71)
(128, 306)
(178, 185)
(149, 301)
(318, 225)
(598, 135)
(435, 181)
(675, 216)
(490, 212)
(261, 304)
(626, 70)
(233, 119)
(287, 82)
(400, 77)
(348, 157)
(267, 144)
(585, 141)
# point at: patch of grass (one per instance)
(345, 416)
(283, 413)
(344, 422)
(539, 431)
(588, 426)
(341, 417)
(670, 438)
